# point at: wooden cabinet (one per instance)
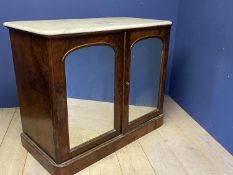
(115, 100)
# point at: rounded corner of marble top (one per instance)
(5, 24)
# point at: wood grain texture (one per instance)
(133, 160)
(12, 154)
(108, 165)
(32, 167)
(163, 157)
(6, 116)
(32, 70)
(198, 138)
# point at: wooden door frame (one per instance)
(131, 38)
(60, 49)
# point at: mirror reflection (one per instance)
(144, 77)
(90, 92)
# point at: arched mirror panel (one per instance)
(90, 92)
(146, 56)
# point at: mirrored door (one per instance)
(146, 56)
(90, 93)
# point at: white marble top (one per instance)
(77, 26)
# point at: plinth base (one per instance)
(85, 159)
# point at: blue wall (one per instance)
(202, 71)
(42, 9)
(145, 72)
(90, 73)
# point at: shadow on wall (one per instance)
(202, 73)
(197, 98)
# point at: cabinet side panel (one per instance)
(32, 70)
